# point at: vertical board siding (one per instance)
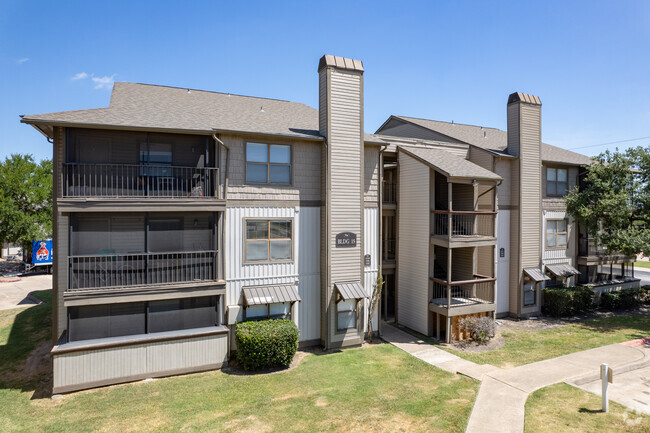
(371, 247)
(413, 244)
(112, 365)
(61, 227)
(305, 267)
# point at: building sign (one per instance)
(346, 240)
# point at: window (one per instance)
(114, 320)
(530, 292)
(268, 311)
(267, 240)
(556, 181)
(268, 163)
(156, 159)
(346, 314)
(556, 233)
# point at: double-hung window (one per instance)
(268, 164)
(346, 314)
(556, 233)
(556, 182)
(267, 240)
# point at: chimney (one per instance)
(341, 123)
(524, 142)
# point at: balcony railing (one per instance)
(113, 271)
(462, 223)
(134, 180)
(479, 290)
(390, 193)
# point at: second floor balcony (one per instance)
(462, 227)
(86, 180)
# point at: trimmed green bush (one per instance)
(567, 301)
(626, 299)
(266, 344)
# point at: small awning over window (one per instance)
(271, 294)
(535, 274)
(350, 290)
(562, 270)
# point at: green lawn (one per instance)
(372, 389)
(523, 346)
(642, 264)
(563, 408)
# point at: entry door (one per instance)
(503, 262)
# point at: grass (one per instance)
(378, 388)
(523, 346)
(642, 264)
(564, 408)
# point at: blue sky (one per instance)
(588, 61)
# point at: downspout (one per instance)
(225, 189)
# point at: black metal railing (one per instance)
(390, 193)
(107, 271)
(462, 223)
(138, 180)
(459, 293)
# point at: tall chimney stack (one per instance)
(341, 122)
(524, 142)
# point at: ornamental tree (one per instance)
(613, 201)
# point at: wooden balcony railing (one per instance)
(390, 193)
(136, 180)
(461, 293)
(113, 271)
(462, 223)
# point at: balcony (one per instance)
(589, 254)
(112, 181)
(462, 297)
(389, 193)
(111, 272)
(462, 228)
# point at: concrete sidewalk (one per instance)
(501, 400)
(16, 294)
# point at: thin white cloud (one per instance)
(103, 82)
(80, 76)
(23, 60)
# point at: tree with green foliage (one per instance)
(25, 199)
(613, 201)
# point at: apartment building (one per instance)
(180, 212)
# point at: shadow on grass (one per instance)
(639, 323)
(25, 358)
(585, 410)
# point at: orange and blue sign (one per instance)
(42, 252)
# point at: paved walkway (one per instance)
(501, 400)
(15, 294)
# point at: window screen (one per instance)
(346, 314)
(171, 315)
(103, 321)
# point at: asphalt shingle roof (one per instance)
(449, 164)
(494, 139)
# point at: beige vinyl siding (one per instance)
(305, 166)
(413, 244)
(371, 174)
(346, 167)
(515, 234)
(322, 103)
(481, 157)
(485, 260)
(503, 167)
(530, 161)
(462, 196)
(400, 128)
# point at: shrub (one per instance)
(621, 300)
(266, 344)
(567, 301)
(480, 329)
(645, 295)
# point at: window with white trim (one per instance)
(268, 240)
(347, 314)
(556, 233)
(280, 310)
(268, 164)
(530, 291)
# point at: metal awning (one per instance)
(562, 270)
(271, 294)
(536, 274)
(350, 290)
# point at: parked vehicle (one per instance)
(41, 256)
